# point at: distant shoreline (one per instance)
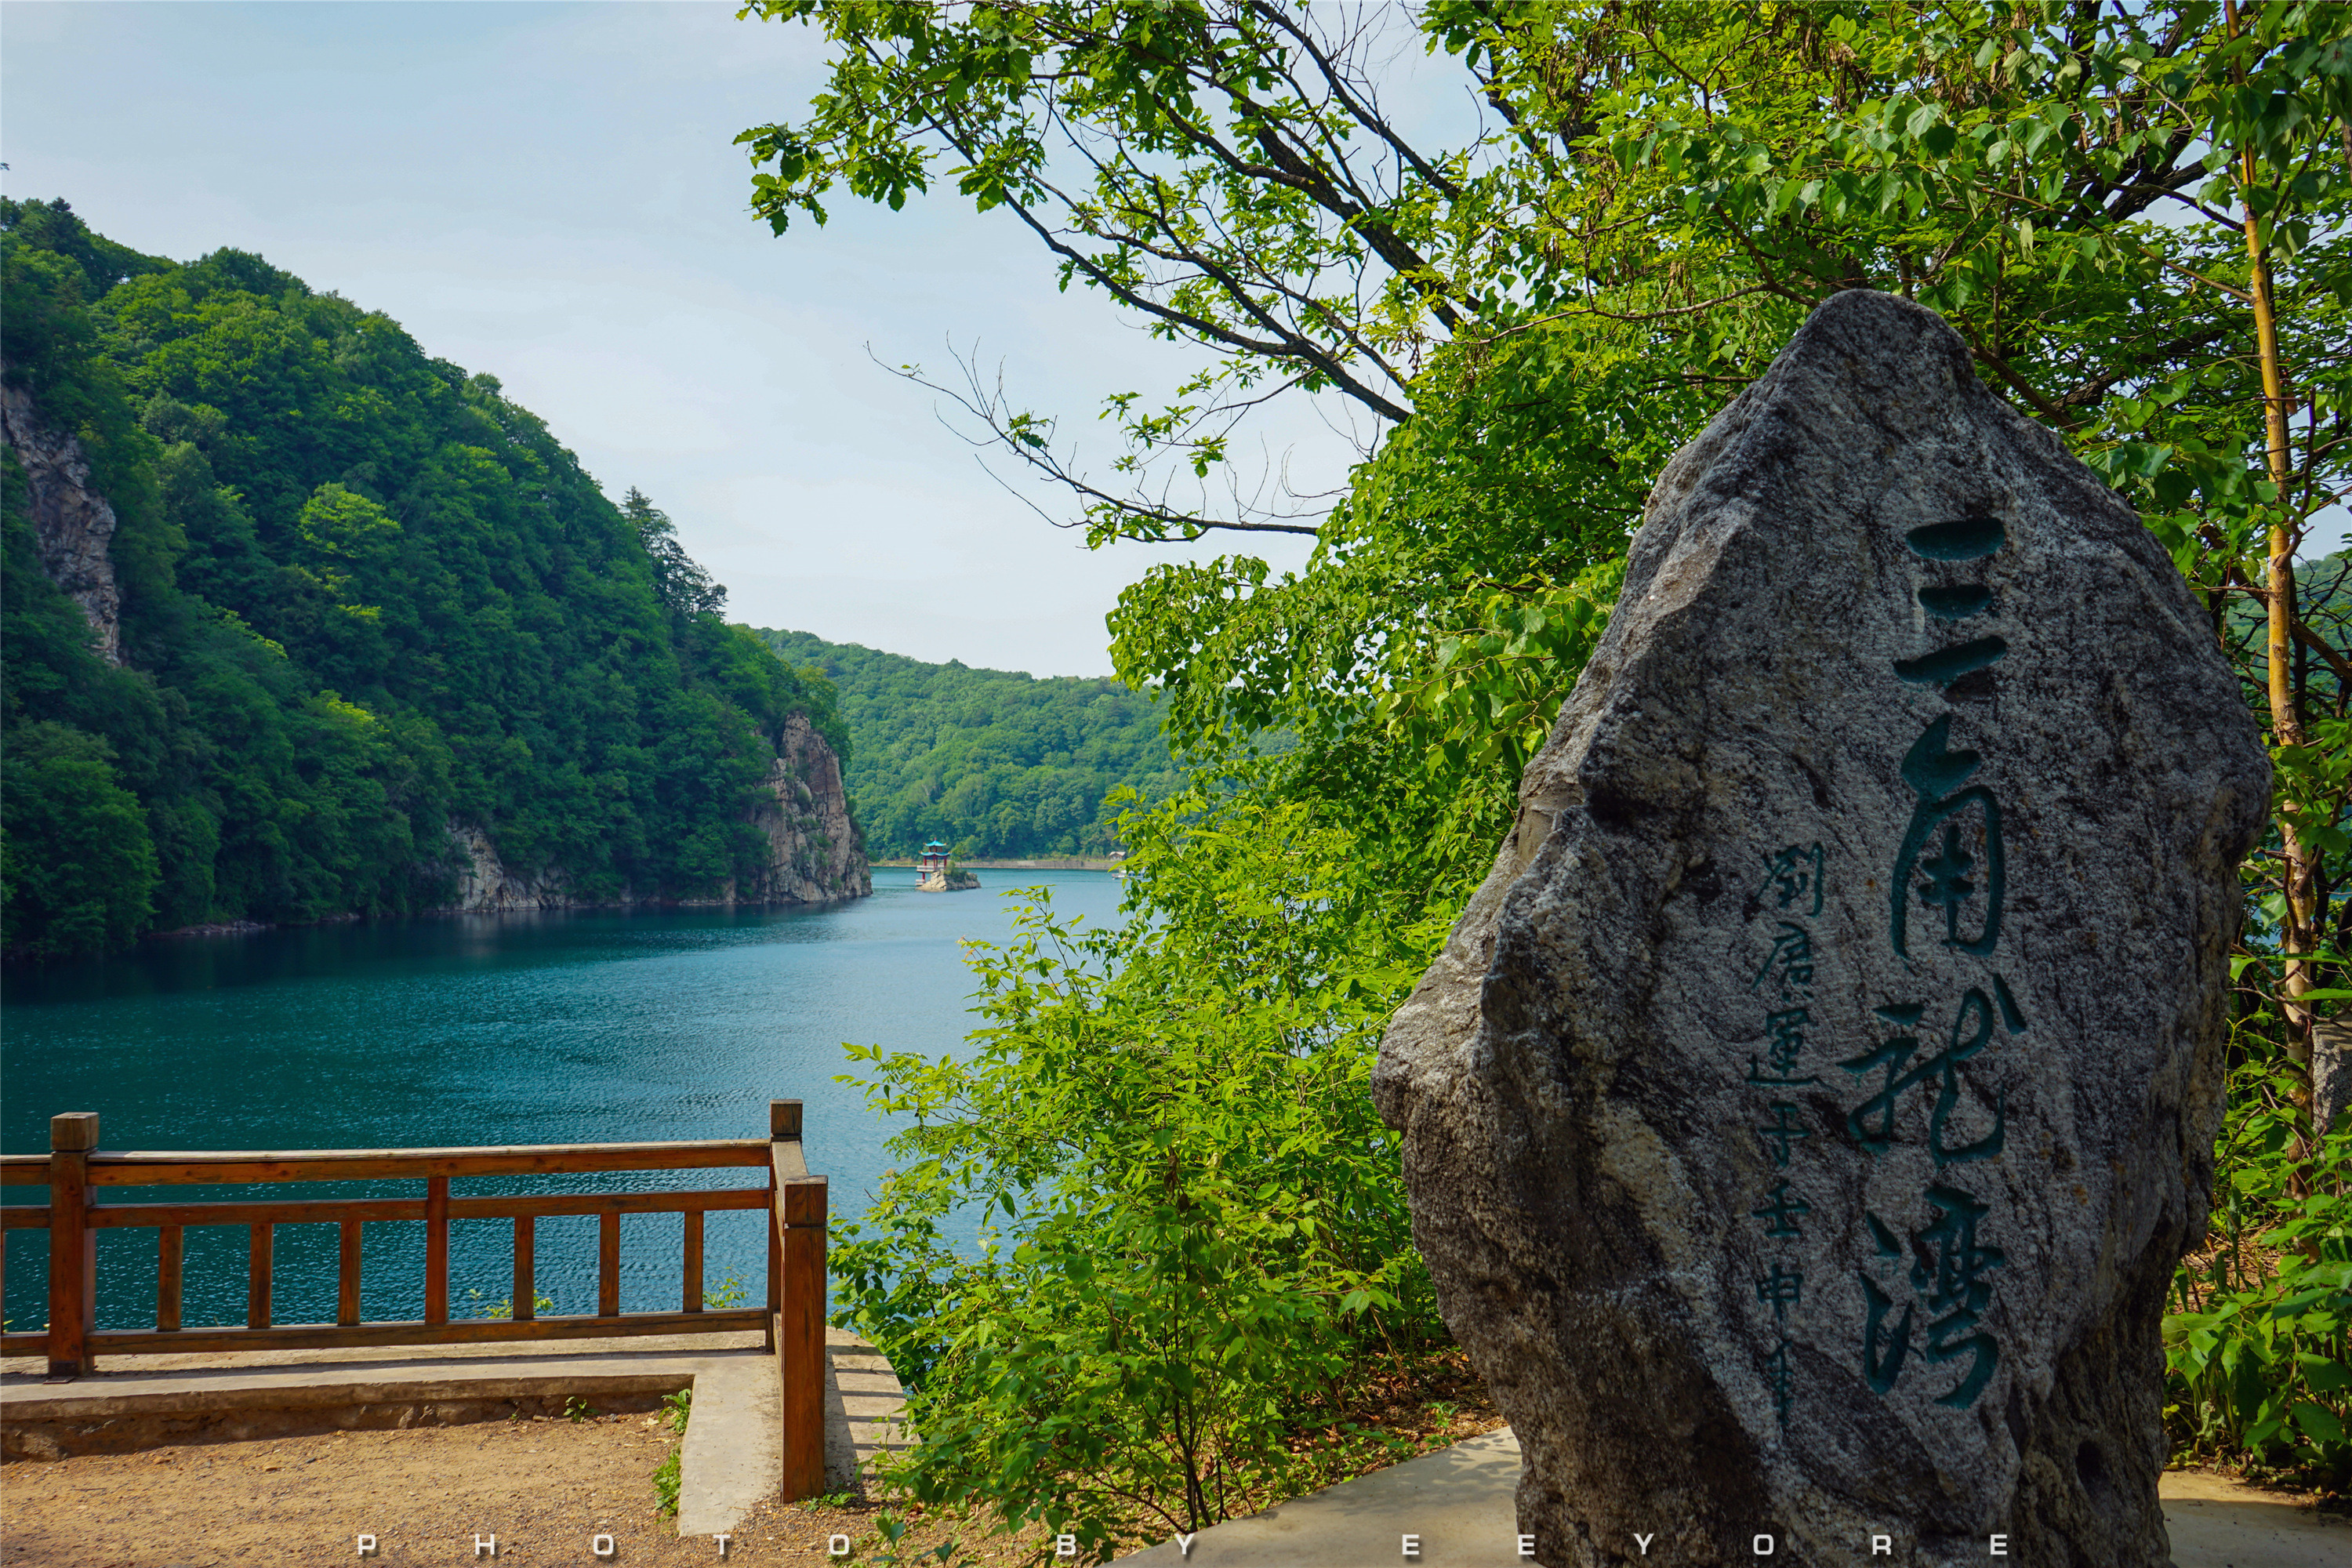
(1066, 863)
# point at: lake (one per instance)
(563, 1027)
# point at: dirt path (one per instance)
(545, 1489)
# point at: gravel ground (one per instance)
(545, 1489)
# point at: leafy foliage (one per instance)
(92, 881)
(679, 581)
(669, 1476)
(364, 597)
(994, 763)
(1190, 1242)
(670, 1479)
(2258, 1360)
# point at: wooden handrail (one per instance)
(335, 1336)
(112, 1168)
(328, 1211)
(788, 1163)
(168, 1168)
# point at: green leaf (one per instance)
(2318, 1423)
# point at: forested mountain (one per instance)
(300, 621)
(994, 762)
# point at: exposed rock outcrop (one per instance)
(72, 524)
(815, 851)
(485, 886)
(816, 854)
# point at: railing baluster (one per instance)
(171, 1245)
(256, 1289)
(437, 1249)
(608, 1265)
(526, 1287)
(693, 1287)
(347, 1274)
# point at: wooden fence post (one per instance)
(73, 1252)
(800, 1296)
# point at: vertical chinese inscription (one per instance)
(1791, 894)
(1928, 1287)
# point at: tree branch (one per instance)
(1157, 518)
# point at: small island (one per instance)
(940, 874)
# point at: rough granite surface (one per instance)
(1804, 1120)
(815, 851)
(73, 525)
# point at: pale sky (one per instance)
(551, 193)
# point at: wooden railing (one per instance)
(75, 1169)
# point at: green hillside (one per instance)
(995, 762)
(363, 598)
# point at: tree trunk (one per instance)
(2299, 932)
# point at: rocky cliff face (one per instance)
(485, 886)
(816, 854)
(73, 523)
(815, 851)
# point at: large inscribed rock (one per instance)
(1804, 1118)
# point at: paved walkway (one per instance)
(732, 1453)
(1456, 1506)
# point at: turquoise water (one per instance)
(573, 1028)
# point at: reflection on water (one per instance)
(565, 1027)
